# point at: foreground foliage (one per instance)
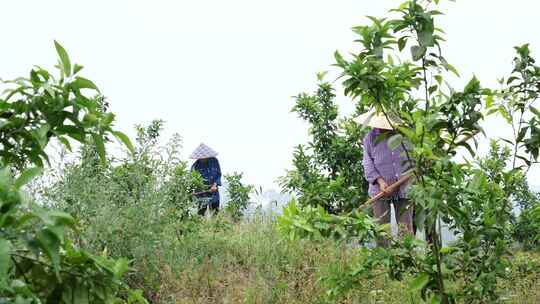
(38, 262)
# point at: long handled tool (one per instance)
(388, 191)
(202, 193)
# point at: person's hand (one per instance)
(382, 184)
(213, 188)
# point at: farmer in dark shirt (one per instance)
(207, 165)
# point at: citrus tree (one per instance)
(328, 169)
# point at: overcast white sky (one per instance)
(224, 71)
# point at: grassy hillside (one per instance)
(250, 263)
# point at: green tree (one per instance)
(328, 170)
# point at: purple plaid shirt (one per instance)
(380, 161)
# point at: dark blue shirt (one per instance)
(211, 173)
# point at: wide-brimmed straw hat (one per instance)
(203, 151)
(374, 120)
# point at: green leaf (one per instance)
(489, 101)
(418, 52)
(50, 244)
(27, 176)
(432, 89)
(467, 146)
(419, 282)
(340, 61)
(395, 141)
(5, 255)
(390, 60)
(108, 119)
(535, 111)
(80, 294)
(452, 69)
(402, 42)
(136, 296)
(100, 146)
(121, 266)
(511, 79)
(426, 38)
(321, 75)
(504, 113)
(473, 86)
(77, 68)
(65, 142)
(491, 111)
(523, 158)
(64, 59)
(507, 140)
(83, 83)
(435, 299)
(125, 140)
(521, 134)
(62, 218)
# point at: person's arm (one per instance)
(370, 171)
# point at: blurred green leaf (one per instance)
(395, 141)
(418, 52)
(419, 282)
(50, 243)
(5, 256)
(64, 59)
(83, 83)
(125, 140)
(27, 175)
(100, 147)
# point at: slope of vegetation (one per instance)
(251, 263)
(124, 229)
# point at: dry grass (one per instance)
(250, 263)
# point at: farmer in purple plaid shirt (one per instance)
(382, 167)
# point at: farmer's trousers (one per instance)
(403, 209)
(203, 205)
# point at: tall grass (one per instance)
(249, 262)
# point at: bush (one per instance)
(136, 207)
(328, 170)
(527, 229)
(238, 196)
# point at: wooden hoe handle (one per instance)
(391, 189)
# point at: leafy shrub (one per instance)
(238, 196)
(38, 262)
(328, 170)
(135, 207)
(527, 229)
(315, 223)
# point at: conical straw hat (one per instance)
(203, 151)
(374, 120)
